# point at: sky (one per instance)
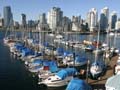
(33, 8)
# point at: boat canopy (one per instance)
(78, 84)
(90, 46)
(98, 63)
(46, 44)
(66, 72)
(113, 82)
(26, 52)
(60, 50)
(66, 53)
(39, 61)
(80, 58)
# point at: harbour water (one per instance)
(13, 73)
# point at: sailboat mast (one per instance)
(96, 54)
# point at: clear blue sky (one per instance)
(32, 8)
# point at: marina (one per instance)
(59, 45)
(12, 61)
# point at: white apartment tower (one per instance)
(76, 23)
(92, 18)
(55, 16)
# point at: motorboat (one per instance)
(60, 79)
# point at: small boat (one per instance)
(79, 61)
(97, 69)
(78, 84)
(60, 79)
(89, 47)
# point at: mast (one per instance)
(96, 54)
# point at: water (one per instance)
(14, 75)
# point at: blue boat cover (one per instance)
(98, 63)
(66, 53)
(53, 66)
(38, 61)
(60, 51)
(80, 59)
(91, 47)
(26, 52)
(78, 84)
(66, 72)
(46, 63)
(46, 44)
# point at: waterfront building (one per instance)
(42, 25)
(8, 16)
(16, 25)
(104, 17)
(1, 22)
(55, 16)
(76, 23)
(66, 24)
(113, 20)
(117, 25)
(92, 19)
(23, 18)
(31, 24)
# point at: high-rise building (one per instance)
(42, 25)
(8, 16)
(113, 20)
(76, 23)
(24, 24)
(55, 16)
(66, 24)
(43, 18)
(1, 22)
(92, 19)
(117, 25)
(104, 17)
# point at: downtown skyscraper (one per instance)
(24, 23)
(104, 18)
(8, 16)
(92, 19)
(55, 16)
(113, 20)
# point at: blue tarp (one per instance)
(38, 61)
(46, 63)
(98, 63)
(78, 84)
(80, 59)
(53, 66)
(46, 44)
(26, 52)
(60, 51)
(91, 47)
(66, 53)
(66, 72)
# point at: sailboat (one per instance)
(98, 67)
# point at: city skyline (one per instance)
(34, 8)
